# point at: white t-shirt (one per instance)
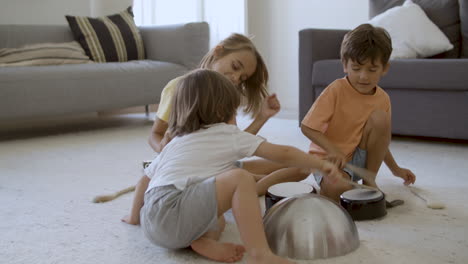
(200, 155)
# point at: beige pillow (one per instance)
(44, 54)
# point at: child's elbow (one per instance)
(305, 130)
(309, 132)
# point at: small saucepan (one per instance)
(280, 191)
(364, 204)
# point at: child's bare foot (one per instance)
(222, 252)
(268, 258)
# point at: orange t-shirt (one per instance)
(341, 113)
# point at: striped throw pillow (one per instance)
(109, 38)
(44, 54)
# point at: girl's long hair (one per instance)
(254, 89)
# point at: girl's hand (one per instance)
(270, 106)
(407, 175)
(331, 172)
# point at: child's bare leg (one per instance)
(261, 166)
(217, 251)
(375, 140)
(279, 176)
(209, 246)
(334, 190)
(268, 173)
(216, 234)
(236, 189)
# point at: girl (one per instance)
(236, 58)
(193, 181)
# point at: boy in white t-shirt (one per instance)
(195, 179)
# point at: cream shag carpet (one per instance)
(49, 175)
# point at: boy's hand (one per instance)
(129, 220)
(407, 175)
(270, 106)
(331, 171)
(338, 159)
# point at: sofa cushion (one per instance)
(80, 88)
(15, 36)
(464, 27)
(44, 54)
(444, 13)
(109, 38)
(413, 34)
(410, 74)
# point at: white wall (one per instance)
(41, 11)
(224, 17)
(106, 7)
(275, 25)
(46, 12)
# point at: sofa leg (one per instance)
(147, 111)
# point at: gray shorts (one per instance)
(173, 219)
(359, 159)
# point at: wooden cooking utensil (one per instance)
(365, 174)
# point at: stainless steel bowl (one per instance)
(310, 226)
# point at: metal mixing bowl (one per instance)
(310, 226)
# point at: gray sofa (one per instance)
(48, 91)
(429, 96)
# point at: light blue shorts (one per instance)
(359, 159)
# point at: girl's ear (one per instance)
(218, 50)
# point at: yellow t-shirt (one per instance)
(341, 113)
(164, 108)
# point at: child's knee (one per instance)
(335, 192)
(338, 187)
(303, 173)
(379, 119)
(242, 175)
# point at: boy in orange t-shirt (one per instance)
(350, 121)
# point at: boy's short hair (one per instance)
(366, 42)
(202, 97)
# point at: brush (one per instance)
(110, 197)
(429, 202)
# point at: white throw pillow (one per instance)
(413, 34)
